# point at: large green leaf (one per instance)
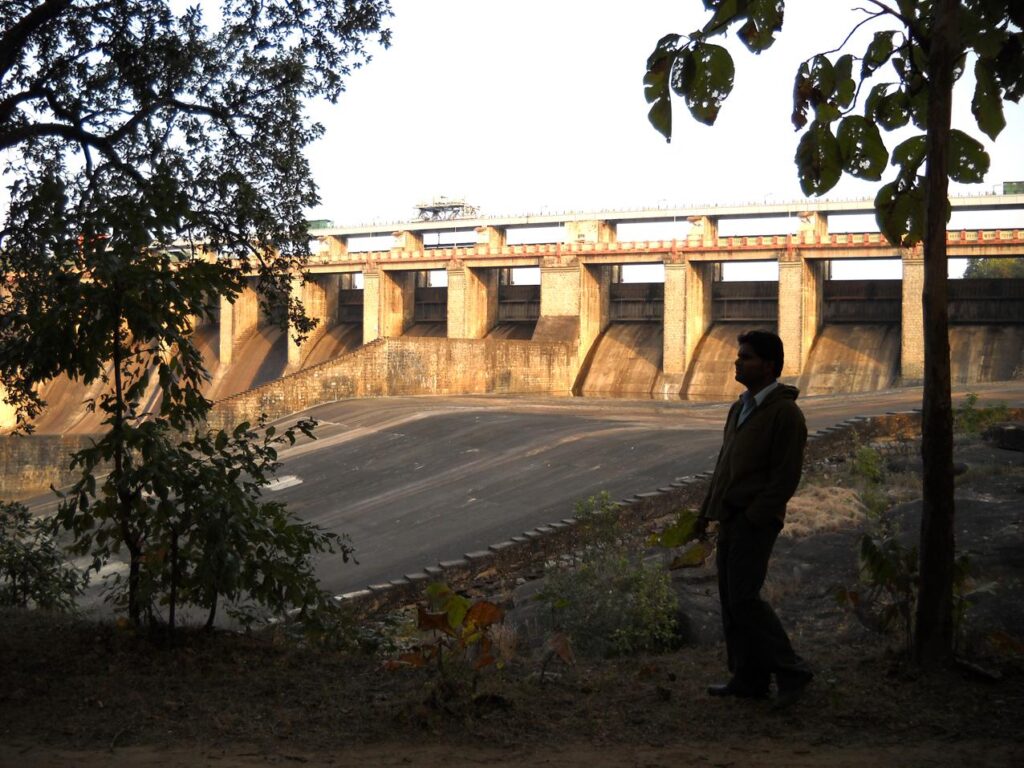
(968, 160)
(764, 19)
(802, 88)
(1009, 66)
(711, 82)
(725, 13)
(818, 160)
(987, 104)
(899, 211)
(846, 88)
(660, 65)
(893, 111)
(878, 52)
(909, 155)
(861, 148)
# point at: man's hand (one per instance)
(700, 528)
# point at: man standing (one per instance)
(757, 472)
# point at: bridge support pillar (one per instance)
(813, 227)
(703, 232)
(595, 304)
(319, 297)
(687, 315)
(472, 302)
(335, 247)
(407, 241)
(590, 232)
(495, 238)
(801, 288)
(237, 320)
(389, 303)
(912, 319)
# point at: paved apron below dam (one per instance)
(415, 481)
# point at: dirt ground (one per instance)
(75, 693)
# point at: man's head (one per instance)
(759, 359)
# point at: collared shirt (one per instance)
(750, 402)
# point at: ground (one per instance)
(75, 693)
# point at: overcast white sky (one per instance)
(538, 106)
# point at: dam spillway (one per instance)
(673, 339)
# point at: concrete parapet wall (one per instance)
(29, 464)
(412, 366)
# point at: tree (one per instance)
(157, 163)
(925, 52)
(994, 268)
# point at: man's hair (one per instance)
(767, 346)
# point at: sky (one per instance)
(537, 106)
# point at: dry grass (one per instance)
(823, 508)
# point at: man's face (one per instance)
(753, 371)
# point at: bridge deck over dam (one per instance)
(594, 334)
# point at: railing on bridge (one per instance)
(871, 241)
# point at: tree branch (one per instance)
(13, 41)
(14, 136)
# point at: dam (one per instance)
(387, 326)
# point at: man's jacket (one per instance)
(759, 465)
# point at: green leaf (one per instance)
(899, 211)
(823, 79)
(456, 608)
(987, 104)
(660, 64)
(725, 14)
(909, 155)
(893, 111)
(861, 148)
(968, 160)
(764, 19)
(818, 161)
(692, 556)
(680, 532)
(1009, 66)
(711, 82)
(660, 116)
(878, 52)
(846, 88)
(802, 88)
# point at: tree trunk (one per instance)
(934, 636)
(124, 495)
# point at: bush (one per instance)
(867, 464)
(33, 571)
(605, 598)
(969, 419)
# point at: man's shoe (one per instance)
(740, 691)
(791, 692)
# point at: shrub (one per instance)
(33, 571)
(969, 419)
(605, 598)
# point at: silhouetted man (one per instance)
(758, 470)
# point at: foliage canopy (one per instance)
(158, 168)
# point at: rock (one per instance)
(1008, 436)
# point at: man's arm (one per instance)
(789, 437)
